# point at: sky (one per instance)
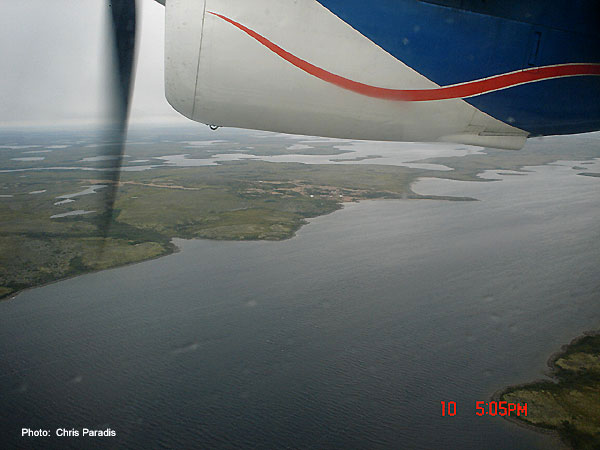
(54, 63)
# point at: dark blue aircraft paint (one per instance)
(453, 41)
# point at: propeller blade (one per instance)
(123, 30)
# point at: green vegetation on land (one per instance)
(235, 201)
(570, 404)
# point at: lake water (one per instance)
(346, 336)
(356, 152)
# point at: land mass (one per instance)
(47, 233)
(570, 403)
(245, 200)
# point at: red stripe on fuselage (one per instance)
(461, 90)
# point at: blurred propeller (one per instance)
(123, 28)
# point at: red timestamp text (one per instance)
(492, 408)
(502, 408)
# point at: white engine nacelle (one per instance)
(292, 66)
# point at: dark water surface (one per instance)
(346, 336)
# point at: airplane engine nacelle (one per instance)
(293, 66)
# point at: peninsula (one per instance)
(570, 403)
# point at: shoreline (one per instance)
(552, 378)
(409, 196)
(14, 295)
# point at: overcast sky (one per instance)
(54, 56)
